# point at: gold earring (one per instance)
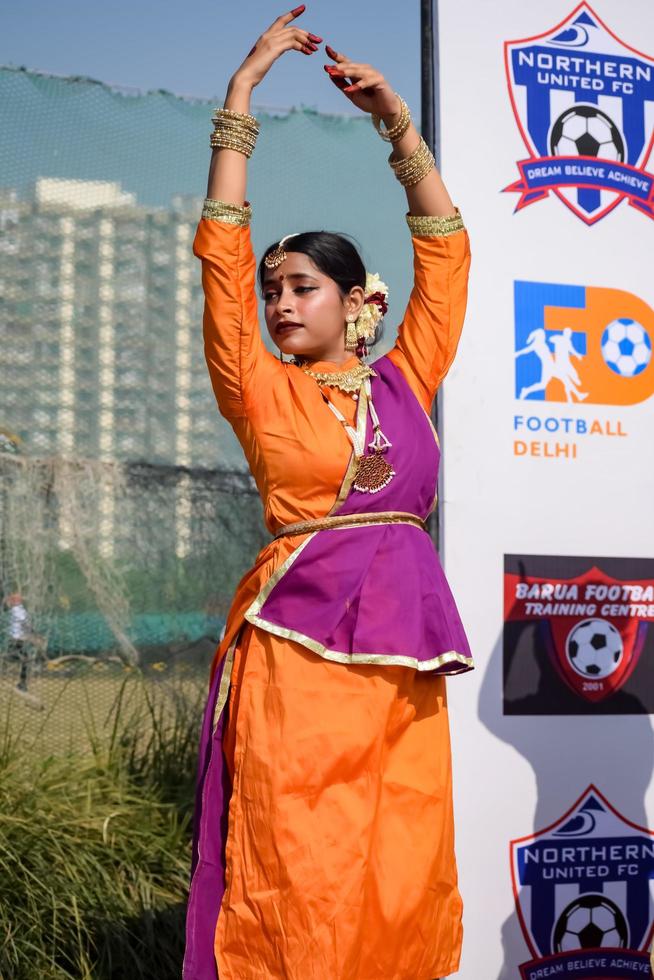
(351, 339)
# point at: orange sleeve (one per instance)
(429, 333)
(236, 356)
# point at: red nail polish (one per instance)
(330, 51)
(298, 10)
(252, 51)
(315, 38)
(313, 47)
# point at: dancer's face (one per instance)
(297, 293)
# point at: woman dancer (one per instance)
(324, 845)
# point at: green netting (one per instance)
(126, 513)
(127, 516)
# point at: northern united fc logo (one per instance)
(583, 892)
(584, 104)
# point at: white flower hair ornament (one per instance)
(374, 308)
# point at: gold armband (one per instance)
(223, 211)
(435, 226)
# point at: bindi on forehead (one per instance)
(290, 275)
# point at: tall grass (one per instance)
(95, 842)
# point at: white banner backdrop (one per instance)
(547, 123)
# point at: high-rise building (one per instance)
(101, 327)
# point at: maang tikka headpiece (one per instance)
(278, 254)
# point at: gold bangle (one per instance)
(410, 170)
(233, 126)
(435, 226)
(234, 131)
(233, 139)
(244, 117)
(234, 134)
(397, 131)
(236, 147)
(228, 145)
(399, 165)
(224, 211)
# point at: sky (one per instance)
(192, 48)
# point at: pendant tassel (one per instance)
(373, 471)
(379, 442)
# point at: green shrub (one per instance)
(95, 844)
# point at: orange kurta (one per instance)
(340, 846)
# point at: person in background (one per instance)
(19, 637)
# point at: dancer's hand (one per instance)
(279, 37)
(363, 85)
(368, 90)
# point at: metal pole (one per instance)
(429, 75)
(430, 129)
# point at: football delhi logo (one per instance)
(584, 104)
(583, 891)
(586, 344)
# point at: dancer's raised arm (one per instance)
(228, 167)
(237, 359)
(429, 333)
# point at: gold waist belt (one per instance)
(351, 520)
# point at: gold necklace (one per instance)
(372, 472)
(348, 381)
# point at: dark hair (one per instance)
(334, 255)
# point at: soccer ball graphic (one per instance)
(586, 131)
(594, 648)
(590, 922)
(626, 347)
